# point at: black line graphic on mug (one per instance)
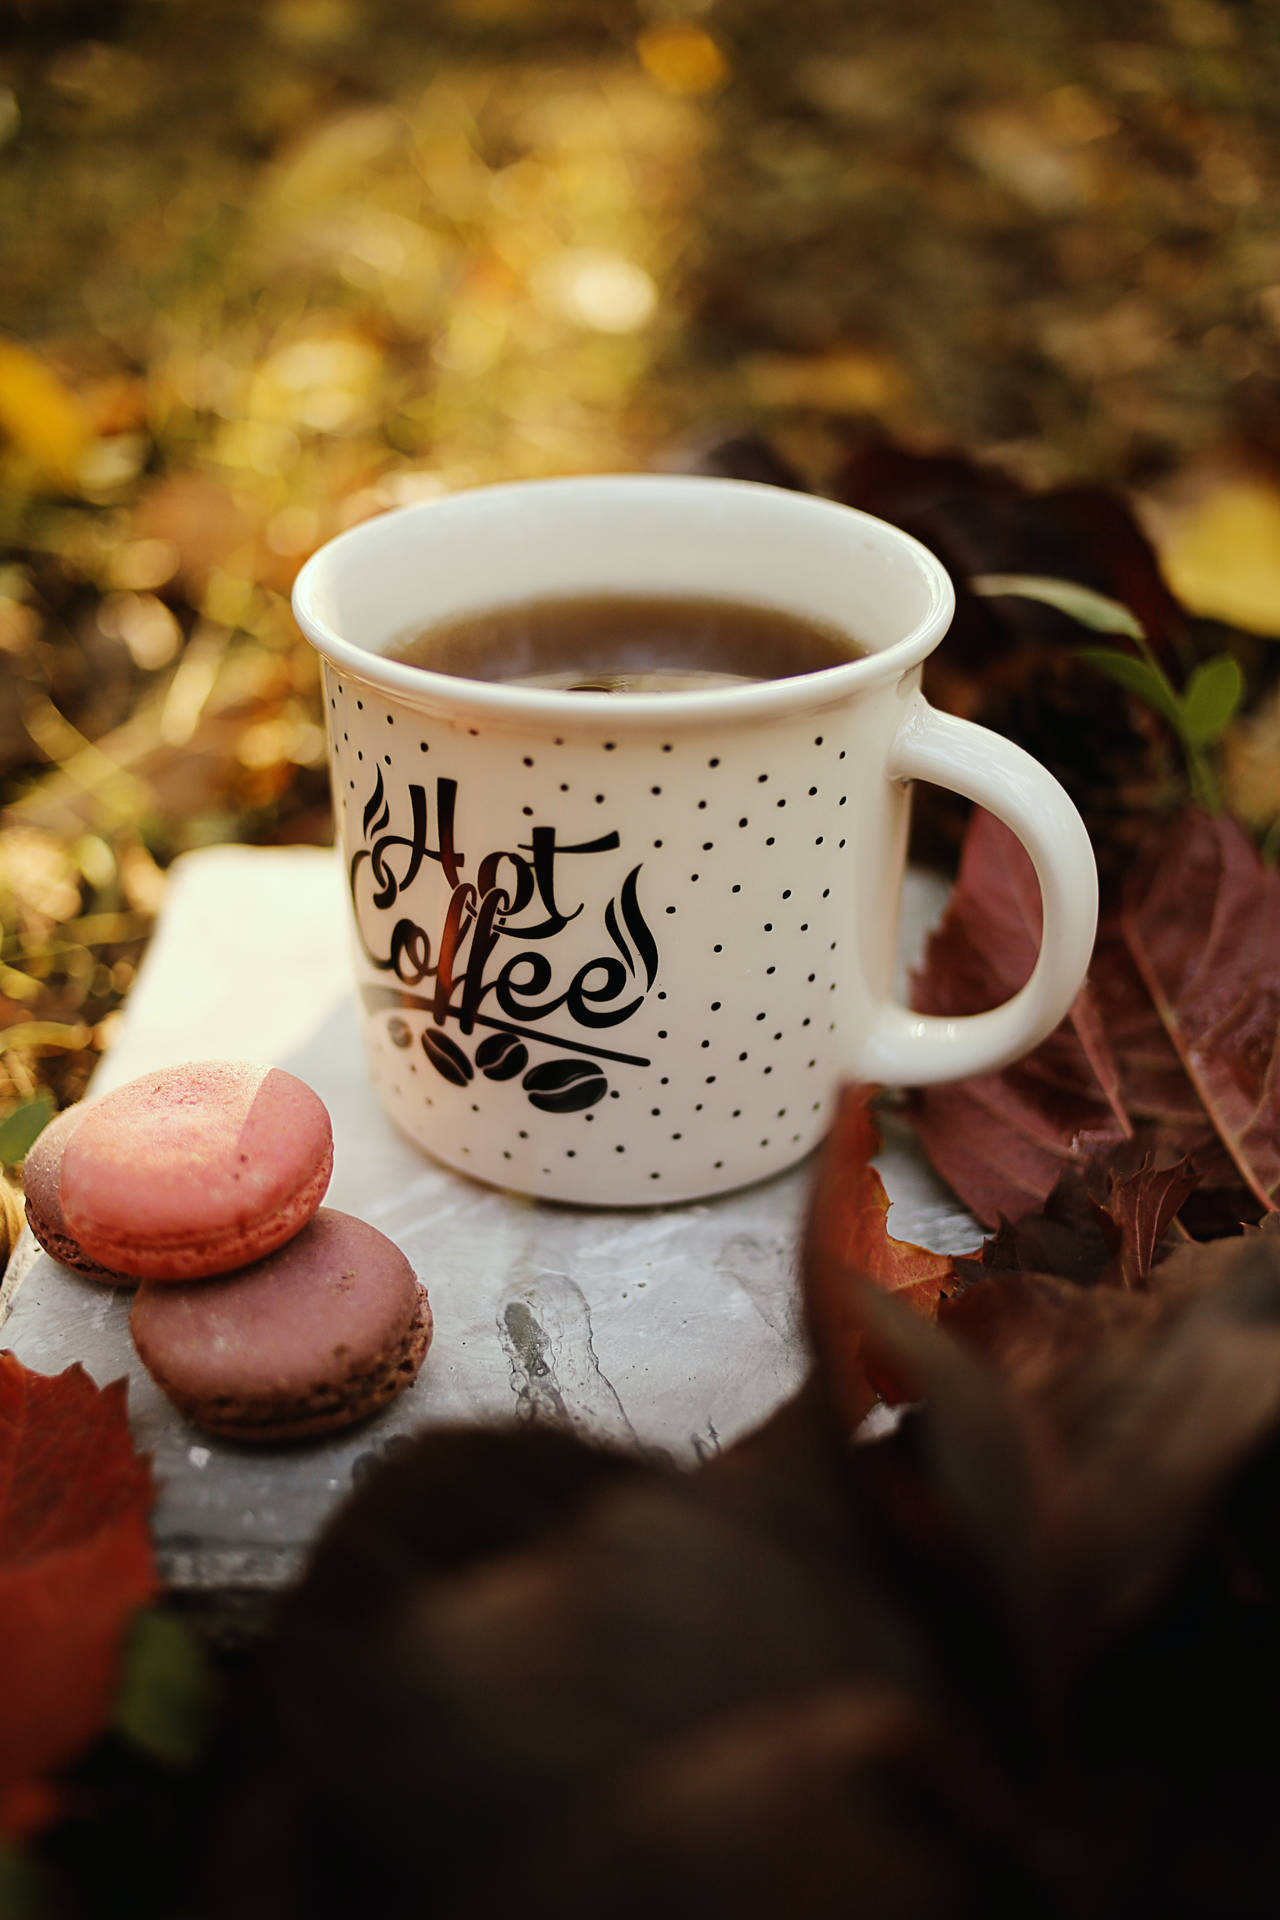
(401, 1035)
(475, 980)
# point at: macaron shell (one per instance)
(328, 1408)
(315, 1336)
(196, 1169)
(41, 1181)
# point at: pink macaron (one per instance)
(42, 1189)
(195, 1170)
(319, 1334)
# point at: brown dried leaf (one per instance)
(847, 1243)
(1039, 1331)
(979, 1500)
(980, 958)
(1001, 1139)
(1144, 1206)
(1159, 1432)
(1202, 921)
(1103, 1226)
(1140, 1406)
(1071, 1236)
(1107, 1082)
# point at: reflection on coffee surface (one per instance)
(628, 643)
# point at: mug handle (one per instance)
(917, 1049)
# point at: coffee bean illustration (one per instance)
(399, 1031)
(502, 1056)
(447, 1057)
(565, 1086)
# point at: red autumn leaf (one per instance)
(1001, 1139)
(1202, 921)
(983, 958)
(1165, 1110)
(1144, 1206)
(847, 1239)
(1071, 1237)
(1105, 1225)
(75, 1565)
(1108, 1080)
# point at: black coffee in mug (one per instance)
(628, 643)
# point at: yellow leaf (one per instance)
(849, 380)
(40, 415)
(682, 58)
(1222, 556)
(1251, 766)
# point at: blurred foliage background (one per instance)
(271, 266)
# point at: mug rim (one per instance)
(423, 687)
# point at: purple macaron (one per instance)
(319, 1334)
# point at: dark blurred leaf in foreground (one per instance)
(971, 1667)
(1128, 1409)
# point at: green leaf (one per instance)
(23, 1125)
(1091, 609)
(167, 1697)
(1135, 676)
(1212, 696)
(21, 1886)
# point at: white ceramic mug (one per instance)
(620, 949)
